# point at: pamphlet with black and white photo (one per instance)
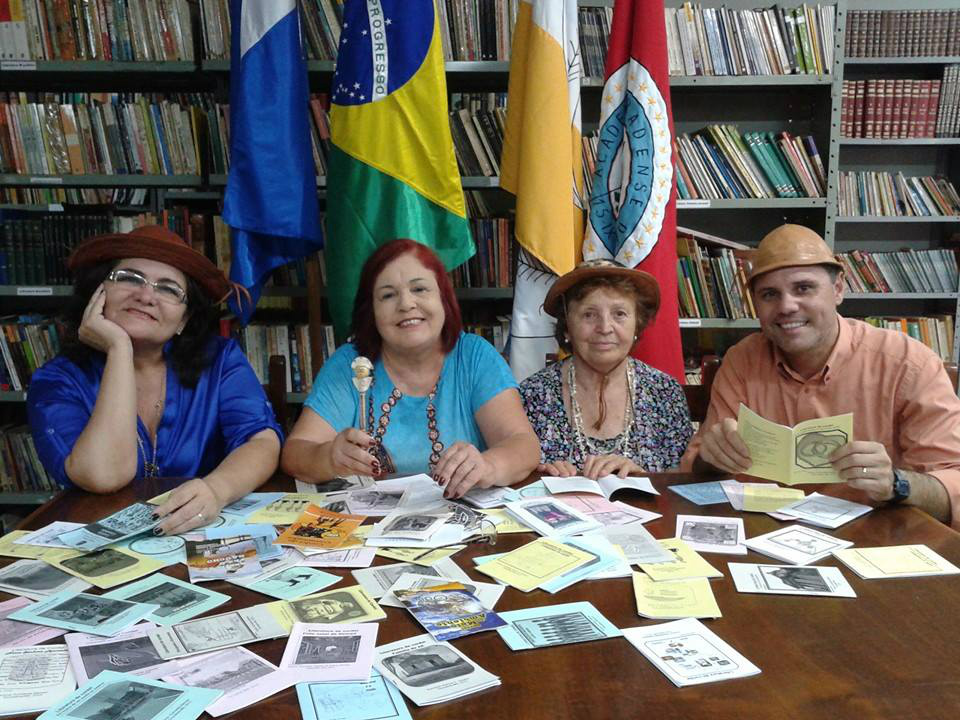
(551, 517)
(218, 632)
(178, 601)
(797, 544)
(130, 651)
(790, 580)
(330, 653)
(824, 510)
(555, 625)
(430, 672)
(85, 613)
(33, 679)
(378, 580)
(689, 653)
(705, 533)
(36, 579)
(132, 520)
(22, 634)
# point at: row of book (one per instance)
(20, 466)
(103, 133)
(34, 250)
(712, 282)
(477, 124)
(772, 41)
(720, 162)
(903, 271)
(26, 343)
(493, 263)
(54, 198)
(902, 33)
(260, 341)
(935, 331)
(119, 30)
(594, 25)
(889, 108)
(870, 193)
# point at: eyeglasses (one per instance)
(166, 290)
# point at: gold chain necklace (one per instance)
(150, 467)
(628, 415)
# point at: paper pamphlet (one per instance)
(551, 517)
(347, 605)
(376, 698)
(824, 510)
(178, 601)
(765, 497)
(130, 651)
(33, 679)
(689, 653)
(606, 486)
(687, 564)
(36, 579)
(691, 598)
(487, 593)
(797, 544)
(448, 611)
(706, 533)
(132, 520)
(530, 565)
(895, 561)
(83, 612)
(217, 632)
(107, 567)
(378, 580)
(702, 493)
(790, 580)
(22, 634)
(555, 625)
(331, 653)
(794, 455)
(320, 529)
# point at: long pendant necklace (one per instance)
(150, 467)
(628, 415)
(433, 433)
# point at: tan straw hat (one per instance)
(790, 246)
(154, 242)
(644, 282)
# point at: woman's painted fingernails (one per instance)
(154, 517)
(158, 531)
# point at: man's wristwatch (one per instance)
(901, 487)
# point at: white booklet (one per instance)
(551, 517)
(37, 580)
(895, 561)
(244, 678)
(330, 653)
(797, 544)
(705, 533)
(378, 580)
(217, 632)
(132, 520)
(130, 651)
(430, 672)
(689, 653)
(637, 544)
(49, 535)
(606, 486)
(790, 580)
(33, 679)
(824, 510)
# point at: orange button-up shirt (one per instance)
(895, 387)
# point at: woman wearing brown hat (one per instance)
(144, 388)
(600, 411)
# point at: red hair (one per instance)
(366, 337)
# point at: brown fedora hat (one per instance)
(790, 246)
(644, 282)
(154, 242)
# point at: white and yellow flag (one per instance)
(542, 165)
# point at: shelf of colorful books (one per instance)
(933, 141)
(101, 180)
(742, 80)
(35, 290)
(25, 498)
(750, 203)
(897, 219)
(98, 66)
(926, 60)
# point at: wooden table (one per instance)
(893, 652)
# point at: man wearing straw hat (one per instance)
(810, 362)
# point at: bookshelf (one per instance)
(798, 103)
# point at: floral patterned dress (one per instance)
(660, 432)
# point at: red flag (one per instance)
(633, 212)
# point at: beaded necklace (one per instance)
(579, 436)
(380, 452)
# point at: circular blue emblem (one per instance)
(626, 144)
(382, 44)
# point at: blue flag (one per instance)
(271, 198)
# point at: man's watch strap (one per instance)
(901, 487)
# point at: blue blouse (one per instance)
(199, 428)
(473, 373)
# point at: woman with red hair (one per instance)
(441, 400)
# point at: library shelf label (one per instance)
(34, 291)
(46, 180)
(18, 64)
(690, 203)
(690, 322)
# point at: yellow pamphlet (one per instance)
(287, 509)
(320, 529)
(527, 567)
(10, 548)
(895, 561)
(692, 598)
(347, 605)
(108, 567)
(419, 556)
(688, 564)
(760, 497)
(505, 522)
(794, 455)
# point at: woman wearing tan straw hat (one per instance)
(144, 388)
(600, 411)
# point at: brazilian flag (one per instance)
(392, 172)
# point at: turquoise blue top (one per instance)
(473, 373)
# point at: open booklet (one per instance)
(794, 455)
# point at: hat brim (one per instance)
(770, 267)
(115, 246)
(645, 284)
